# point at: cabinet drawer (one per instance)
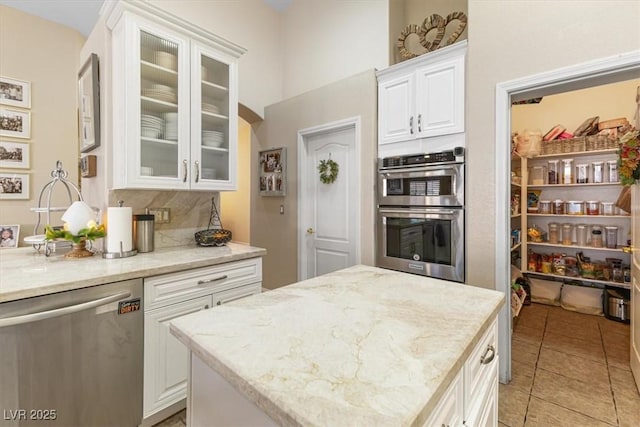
(484, 409)
(174, 287)
(480, 365)
(448, 412)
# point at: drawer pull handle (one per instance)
(215, 279)
(486, 358)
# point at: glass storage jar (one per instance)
(554, 232)
(537, 175)
(582, 173)
(581, 235)
(596, 236)
(567, 231)
(611, 232)
(567, 171)
(598, 172)
(607, 208)
(574, 207)
(557, 207)
(553, 172)
(593, 207)
(544, 206)
(612, 171)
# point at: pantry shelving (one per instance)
(535, 187)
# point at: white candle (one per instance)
(119, 229)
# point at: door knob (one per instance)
(628, 249)
(310, 230)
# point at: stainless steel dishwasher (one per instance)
(73, 358)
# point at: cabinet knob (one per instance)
(411, 125)
(184, 167)
(206, 306)
(419, 123)
(219, 303)
(197, 165)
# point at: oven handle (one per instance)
(419, 211)
(438, 168)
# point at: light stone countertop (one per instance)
(360, 346)
(25, 273)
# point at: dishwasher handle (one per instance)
(48, 314)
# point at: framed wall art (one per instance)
(14, 123)
(14, 186)
(15, 93)
(89, 105)
(9, 235)
(14, 155)
(273, 172)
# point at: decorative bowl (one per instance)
(212, 237)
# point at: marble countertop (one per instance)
(25, 273)
(360, 346)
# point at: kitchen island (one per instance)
(360, 346)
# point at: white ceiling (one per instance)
(82, 15)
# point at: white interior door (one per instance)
(635, 284)
(329, 213)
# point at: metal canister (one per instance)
(143, 229)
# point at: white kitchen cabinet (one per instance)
(172, 295)
(422, 97)
(175, 103)
(449, 411)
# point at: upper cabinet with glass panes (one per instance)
(175, 102)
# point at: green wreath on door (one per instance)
(328, 171)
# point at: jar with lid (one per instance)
(544, 206)
(596, 236)
(593, 207)
(607, 208)
(538, 175)
(553, 232)
(611, 232)
(567, 171)
(574, 207)
(553, 172)
(581, 235)
(612, 170)
(582, 173)
(567, 231)
(557, 207)
(598, 172)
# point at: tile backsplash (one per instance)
(189, 212)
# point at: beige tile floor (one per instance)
(569, 369)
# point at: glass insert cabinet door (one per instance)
(161, 112)
(211, 128)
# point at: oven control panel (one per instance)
(452, 156)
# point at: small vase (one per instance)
(79, 250)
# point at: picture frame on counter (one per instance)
(15, 93)
(14, 186)
(14, 155)
(15, 124)
(9, 236)
(89, 105)
(273, 172)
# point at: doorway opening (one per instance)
(596, 73)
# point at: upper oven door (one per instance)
(441, 185)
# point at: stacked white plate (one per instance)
(208, 173)
(171, 126)
(212, 138)
(210, 108)
(166, 60)
(161, 93)
(151, 126)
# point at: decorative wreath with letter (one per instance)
(328, 171)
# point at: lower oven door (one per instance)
(427, 241)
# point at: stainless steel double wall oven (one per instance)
(420, 221)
